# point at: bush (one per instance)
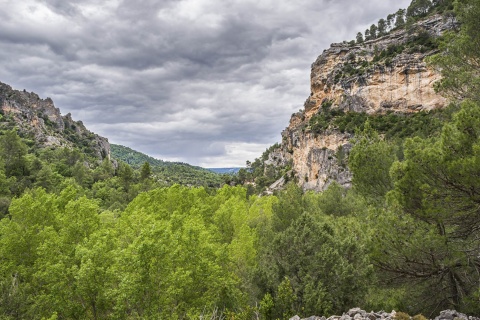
(402, 316)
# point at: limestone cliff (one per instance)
(388, 74)
(39, 120)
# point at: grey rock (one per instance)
(454, 315)
(42, 120)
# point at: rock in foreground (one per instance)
(359, 314)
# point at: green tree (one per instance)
(13, 152)
(400, 18)
(373, 31)
(145, 171)
(104, 171)
(327, 270)
(367, 35)
(370, 160)
(289, 207)
(334, 201)
(83, 175)
(359, 37)
(460, 53)
(382, 27)
(47, 178)
(171, 261)
(436, 197)
(390, 20)
(4, 193)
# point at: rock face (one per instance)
(388, 74)
(41, 121)
(359, 314)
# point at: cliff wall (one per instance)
(388, 74)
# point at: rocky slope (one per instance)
(39, 120)
(380, 76)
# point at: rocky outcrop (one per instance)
(359, 314)
(388, 74)
(39, 120)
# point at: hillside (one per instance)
(40, 122)
(168, 172)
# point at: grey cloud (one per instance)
(202, 81)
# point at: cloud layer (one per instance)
(208, 82)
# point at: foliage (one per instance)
(392, 125)
(459, 56)
(402, 316)
(317, 264)
(167, 172)
(68, 259)
(134, 158)
(370, 161)
(430, 221)
(359, 38)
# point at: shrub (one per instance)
(402, 316)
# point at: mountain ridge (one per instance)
(40, 121)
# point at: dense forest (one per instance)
(166, 171)
(87, 239)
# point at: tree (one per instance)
(434, 244)
(13, 152)
(169, 255)
(382, 27)
(289, 207)
(334, 201)
(400, 18)
(315, 268)
(145, 171)
(390, 20)
(47, 178)
(126, 174)
(370, 161)
(460, 55)
(367, 34)
(373, 31)
(359, 38)
(4, 192)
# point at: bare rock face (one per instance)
(359, 79)
(41, 121)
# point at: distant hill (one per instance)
(225, 170)
(134, 158)
(169, 172)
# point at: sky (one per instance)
(207, 82)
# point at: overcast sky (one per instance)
(207, 82)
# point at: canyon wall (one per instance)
(384, 75)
